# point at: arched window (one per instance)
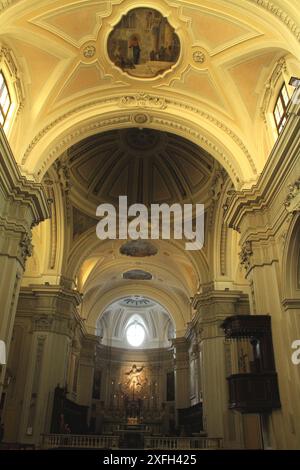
(5, 100)
(11, 89)
(135, 334)
(280, 108)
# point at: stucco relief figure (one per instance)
(134, 377)
(135, 385)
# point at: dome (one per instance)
(135, 312)
(148, 166)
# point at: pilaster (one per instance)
(212, 308)
(22, 205)
(181, 358)
(50, 313)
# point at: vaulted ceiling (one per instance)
(228, 51)
(145, 165)
(83, 110)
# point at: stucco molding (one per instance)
(6, 55)
(17, 190)
(280, 14)
(141, 100)
(279, 68)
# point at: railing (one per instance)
(79, 441)
(183, 443)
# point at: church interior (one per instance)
(140, 343)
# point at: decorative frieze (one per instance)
(143, 100)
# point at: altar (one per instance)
(132, 435)
(134, 410)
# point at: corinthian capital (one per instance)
(246, 254)
(25, 247)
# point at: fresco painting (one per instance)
(143, 44)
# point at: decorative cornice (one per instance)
(282, 162)
(52, 308)
(280, 14)
(208, 298)
(17, 188)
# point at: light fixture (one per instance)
(294, 81)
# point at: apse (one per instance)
(135, 322)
